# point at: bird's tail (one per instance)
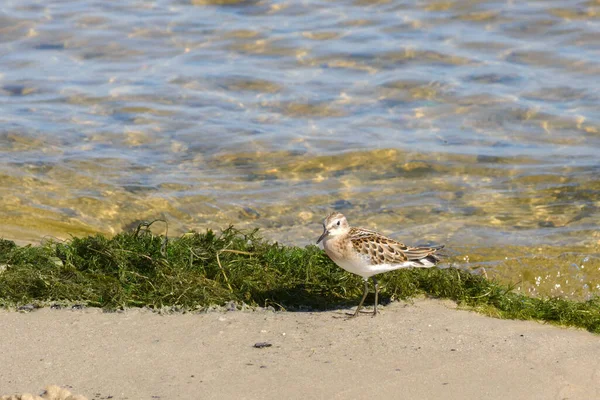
(424, 257)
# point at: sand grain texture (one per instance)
(421, 350)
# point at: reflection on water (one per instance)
(473, 124)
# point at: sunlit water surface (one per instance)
(474, 124)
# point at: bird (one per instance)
(368, 253)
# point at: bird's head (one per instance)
(334, 225)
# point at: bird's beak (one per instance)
(325, 233)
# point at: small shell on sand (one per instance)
(52, 392)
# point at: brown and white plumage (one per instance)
(367, 253)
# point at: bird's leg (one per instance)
(376, 293)
(363, 298)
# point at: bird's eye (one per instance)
(338, 223)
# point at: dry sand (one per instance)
(420, 350)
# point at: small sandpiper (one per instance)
(367, 253)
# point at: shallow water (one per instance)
(475, 124)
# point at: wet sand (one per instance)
(421, 350)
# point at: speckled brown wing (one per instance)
(380, 249)
(383, 250)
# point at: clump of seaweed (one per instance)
(199, 270)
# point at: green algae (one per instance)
(198, 270)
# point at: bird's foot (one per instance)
(373, 313)
(355, 314)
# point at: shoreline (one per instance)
(198, 270)
(421, 349)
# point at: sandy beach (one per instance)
(424, 349)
